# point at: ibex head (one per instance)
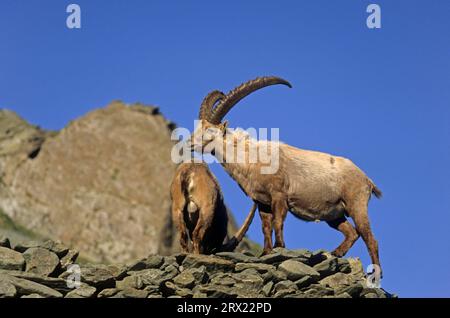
(216, 105)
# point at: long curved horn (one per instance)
(237, 238)
(210, 100)
(243, 90)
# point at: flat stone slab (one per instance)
(84, 291)
(259, 267)
(58, 284)
(295, 270)
(211, 263)
(237, 257)
(26, 287)
(10, 259)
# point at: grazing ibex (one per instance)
(312, 185)
(198, 208)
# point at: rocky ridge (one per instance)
(32, 270)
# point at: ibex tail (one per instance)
(377, 192)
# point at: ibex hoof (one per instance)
(266, 252)
(337, 254)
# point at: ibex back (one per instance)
(198, 210)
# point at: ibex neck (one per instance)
(227, 155)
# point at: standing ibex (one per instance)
(198, 208)
(312, 185)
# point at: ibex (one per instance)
(312, 185)
(198, 209)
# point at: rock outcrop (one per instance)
(28, 271)
(100, 184)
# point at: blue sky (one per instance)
(380, 97)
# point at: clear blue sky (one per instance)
(380, 97)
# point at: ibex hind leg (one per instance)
(358, 212)
(178, 218)
(351, 235)
(198, 235)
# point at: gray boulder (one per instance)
(84, 291)
(296, 270)
(327, 267)
(134, 281)
(68, 259)
(11, 260)
(40, 261)
(7, 289)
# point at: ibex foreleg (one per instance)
(266, 221)
(279, 210)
